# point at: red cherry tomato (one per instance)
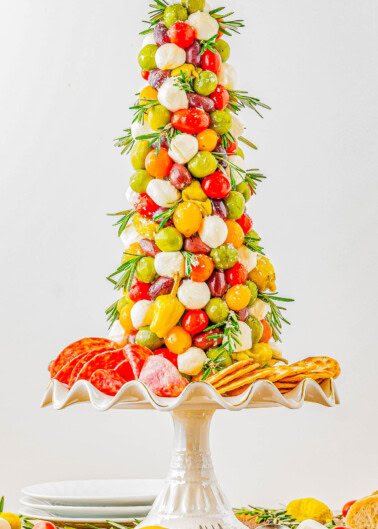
(217, 185)
(237, 275)
(181, 34)
(44, 525)
(139, 290)
(245, 222)
(145, 74)
(168, 355)
(232, 147)
(146, 206)
(267, 333)
(347, 506)
(195, 321)
(191, 120)
(221, 98)
(211, 61)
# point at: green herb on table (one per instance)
(156, 15)
(168, 131)
(124, 220)
(164, 217)
(252, 243)
(231, 333)
(275, 317)
(247, 142)
(209, 44)
(226, 26)
(213, 366)
(240, 99)
(141, 108)
(126, 272)
(112, 314)
(126, 142)
(268, 516)
(191, 260)
(185, 82)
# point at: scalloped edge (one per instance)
(136, 395)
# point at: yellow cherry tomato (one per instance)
(125, 318)
(147, 93)
(207, 140)
(13, 520)
(238, 297)
(145, 227)
(178, 340)
(235, 234)
(187, 218)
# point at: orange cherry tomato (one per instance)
(267, 333)
(238, 297)
(203, 270)
(147, 93)
(178, 340)
(159, 165)
(235, 234)
(207, 140)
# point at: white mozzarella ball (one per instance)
(213, 231)
(192, 361)
(204, 24)
(237, 128)
(168, 264)
(131, 196)
(183, 148)
(130, 236)
(172, 97)
(140, 129)
(247, 258)
(163, 193)
(148, 39)
(4, 524)
(276, 348)
(170, 56)
(228, 76)
(194, 295)
(117, 332)
(259, 309)
(310, 524)
(239, 162)
(141, 313)
(244, 337)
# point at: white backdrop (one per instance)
(68, 75)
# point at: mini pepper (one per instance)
(167, 311)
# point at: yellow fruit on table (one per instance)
(240, 357)
(13, 520)
(264, 275)
(145, 227)
(130, 253)
(207, 140)
(187, 218)
(310, 509)
(238, 297)
(148, 93)
(178, 340)
(189, 70)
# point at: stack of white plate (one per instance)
(90, 501)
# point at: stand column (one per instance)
(191, 496)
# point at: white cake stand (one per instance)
(191, 496)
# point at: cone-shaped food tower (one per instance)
(196, 287)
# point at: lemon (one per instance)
(12, 519)
(309, 508)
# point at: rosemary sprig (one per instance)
(112, 314)
(227, 140)
(126, 142)
(190, 260)
(168, 131)
(252, 243)
(253, 178)
(268, 516)
(213, 366)
(185, 82)
(165, 216)
(275, 317)
(156, 15)
(247, 142)
(209, 44)
(141, 108)
(240, 99)
(25, 522)
(124, 220)
(231, 333)
(125, 272)
(226, 26)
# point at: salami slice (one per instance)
(108, 360)
(64, 374)
(82, 360)
(107, 381)
(125, 371)
(85, 345)
(161, 376)
(137, 355)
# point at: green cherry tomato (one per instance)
(194, 5)
(140, 180)
(256, 327)
(235, 205)
(174, 13)
(254, 292)
(223, 48)
(169, 240)
(213, 353)
(224, 257)
(221, 122)
(245, 190)
(139, 153)
(217, 310)
(147, 57)
(149, 339)
(145, 270)
(158, 117)
(206, 83)
(203, 164)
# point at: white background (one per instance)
(68, 75)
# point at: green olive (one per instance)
(206, 83)
(235, 205)
(145, 270)
(223, 48)
(158, 117)
(254, 291)
(225, 256)
(149, 339)
(139, 153)
(221, 121)
(203, 164)
(169, 240)
(245, 190)
(147, 57)
(224, 359)
(140, 180)
(256, 327)
(122, 302)
(217, 310)
(174, 13)
(194, 5)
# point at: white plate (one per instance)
(120, 492)
(67, 511)
(29, 514)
